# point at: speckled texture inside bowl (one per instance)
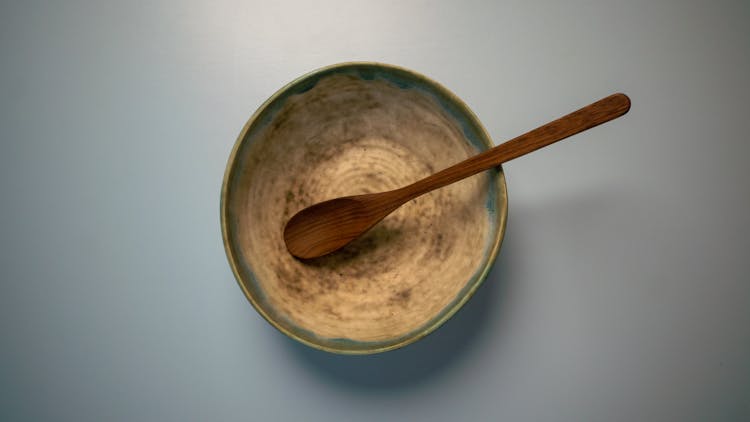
(351, 129)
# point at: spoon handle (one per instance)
(587, 117)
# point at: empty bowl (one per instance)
(349, 129)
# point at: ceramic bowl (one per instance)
(348, 129)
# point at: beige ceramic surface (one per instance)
(350, 136)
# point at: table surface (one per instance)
(621, 291)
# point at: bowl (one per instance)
(349, 129)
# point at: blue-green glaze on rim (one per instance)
(497, 204)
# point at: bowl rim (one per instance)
(501, 213)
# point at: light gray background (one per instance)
(621, 291)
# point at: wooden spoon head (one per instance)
(328, 226)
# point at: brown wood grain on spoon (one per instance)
(330, 225)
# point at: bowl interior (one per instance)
(346, 130)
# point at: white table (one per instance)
(621, 291)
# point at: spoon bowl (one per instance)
(330, 225)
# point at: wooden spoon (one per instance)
(327, 226)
